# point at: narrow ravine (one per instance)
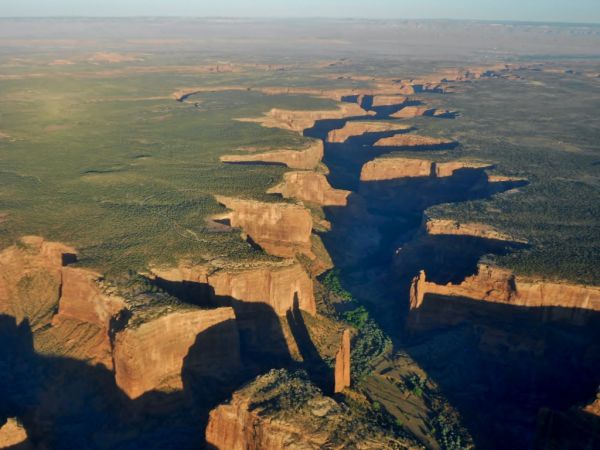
(376, 242)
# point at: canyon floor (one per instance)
(221, 239)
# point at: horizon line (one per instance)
(382, 19)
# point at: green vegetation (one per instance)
(369, 342)
(114, 166)
(290, 396)
(331, 280)
(542, 128)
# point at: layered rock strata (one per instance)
(151, 356)
(281, 229)
(277, 286)
(561, 301)
(302, 120)
(310, 187)
(308, 158)
(392, 168)
(358, 128)
(412, 140)
(453, 228)
(408, 112)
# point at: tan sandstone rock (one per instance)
(310, 187)
(357, 128)
(412, 140)
(342, 363)
(302, 120)
(392, 168)
(491, 284)
(151, 356)
(308, 158)
(281, 229)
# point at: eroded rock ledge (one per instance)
(310, 187)
(151, 356)
(143, 339)
(281, 229)
(277, 286)
(301, 120)
(413, 140)
(571, 302)
(454, 228)
(392, 168)
(254, 419)
(357, 128)
(409, 112)
(308, 158)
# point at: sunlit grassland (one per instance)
(120, 170)
(543, 128)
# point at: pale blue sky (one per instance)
(525, 10)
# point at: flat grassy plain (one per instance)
(544, 128)
(116, 167)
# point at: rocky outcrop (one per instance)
(409, 112)
(310, 187)
(392, 168)
(413, 140)
(342, 363)
(388, 100)
(302, 120)
(454, 228)
(281, 229)
(358, 128)
(561, 301)
(65, 306)
(31, 279)
(285, 411)
(14, 436)
(277, 286)
(150, 356)
(83, 323)
(308, 158)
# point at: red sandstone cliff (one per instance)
(358, 128)
(294, 159)
(409, 112)
(276, 285)
(302, 120)
(310, 187)
(281, 229)
(393, 168)
(30, 279)
(150, 356)
(495, 285)
(388, 100)
(412, 140)
(82, 324)
(452, 227)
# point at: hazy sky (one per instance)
(527, 10)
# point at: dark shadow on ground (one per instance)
(65, 403)
(377, 243)
(500, 364)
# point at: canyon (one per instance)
(261, 358)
